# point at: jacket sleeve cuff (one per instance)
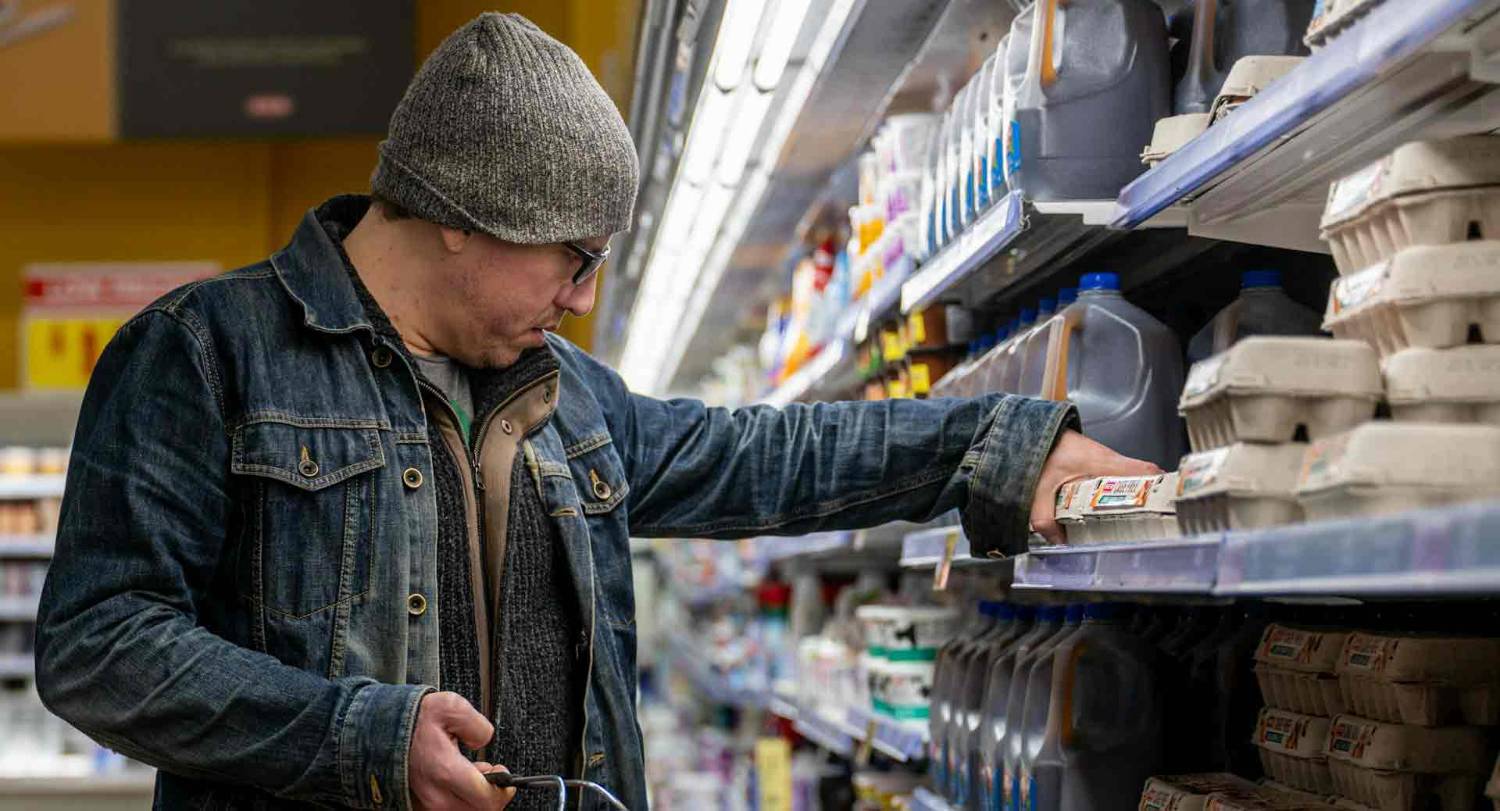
(374, 741)
(1008, 460)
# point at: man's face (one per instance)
(500, 297)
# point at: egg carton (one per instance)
(1395, 767)
(1385, 467)
(1114, 509)
(1295, 669)
(1171, 134)
(1190, 792)
(1420, 680)
(1335, 16)
(1264, 388)
(1427, 296)
(1457, 386)
(1423, 193)
(1267, 797)
(1241, 486)
(1291, 749)
(1248, 78)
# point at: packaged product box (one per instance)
(1120, 508)
(1421, 680)
(1396, 767)
(1386, 467)
(1292, 749)
(1240, 486)
(1429, 296)
(1459, 385)
(939, 326)
(1423, 193)
(900, 632)
(1266, 388)
(1190, 792)
(925, 367)
(1295, 669)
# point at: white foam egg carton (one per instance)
(1119, 508)
(1248, 78)
(1423, 193)
(1385, 467)
(1240, 486)
(1396, 767)
(1426, 296)
(1295, 669)
(1264, 388)
(1459, 385)
(1190, 792)
(1291, 749)
(1171, 133)
(1421, 680)
(1335, 16)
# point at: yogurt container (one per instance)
(1272, 388)
(901, 690)
(1426, 296)
(906, 633)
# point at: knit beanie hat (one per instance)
(505, 131)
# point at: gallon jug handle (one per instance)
(1069, 676)
(1055, 373)
(1048, 28)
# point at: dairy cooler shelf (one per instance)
(26, 546)
(843, 730)
(1403, 71)
(18, 609)
(712, 685)
(27, 487)
(924, 800)
(1427, 553)
(17, 666)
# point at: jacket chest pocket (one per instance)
(599, 476)
(313, 512)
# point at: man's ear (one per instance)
(455, 239)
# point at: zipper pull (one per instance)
(478, 475)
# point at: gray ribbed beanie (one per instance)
(504, 130)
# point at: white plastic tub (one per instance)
(1427, 296)
(1265, 388)
(1240, 486)
(1423, 193)
(1459, 385)
(1385, 467)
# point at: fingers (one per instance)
(507, 794)
(472, 791)
(468, 725)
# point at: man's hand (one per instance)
(441, 778)
(1075, 458)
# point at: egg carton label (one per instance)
(1204, 375)
(1353, 291)
(1122, 494)
(1349, 738)
(1355, 190)
(1287, 644)
(1201, 470)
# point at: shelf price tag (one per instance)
(773, 772)
(945, 564)
(866, 745)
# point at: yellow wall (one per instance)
(231, 202)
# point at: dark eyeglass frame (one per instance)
(592, 261)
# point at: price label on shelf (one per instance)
(945, 564)
(773, 774)
(867, 744)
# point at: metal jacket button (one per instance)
(416, 605)
(307, 467)
(412, 478)
(602, 490)
(507, 427)
(381, 357)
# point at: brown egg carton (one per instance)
(1399, 767)
(1267, 797)
(1291, 747)
(1190, 792)
(1240, 486)
(1420, 680)
(1455, 386)
(1295, 669)
(1385, 467)
(1430, 296)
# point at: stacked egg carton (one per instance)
(1246, 410)
(1420, 285)
(1118, 509)
(1295, 668)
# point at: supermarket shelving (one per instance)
(924, 800)
(18, 609)
(843, 730)
(17, 666)
(26, 546)
(776, 549)
(715, 686)
(1448, 551)
(975, 245)
(1405, 71)
(27, 487)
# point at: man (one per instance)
(347, 526)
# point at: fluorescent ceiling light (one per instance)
(736, 37)
(749, 115)
(709, 121)
(778, 42)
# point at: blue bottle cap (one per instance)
(1004, 612)
(1046, 307)
(1102, 611)
(1074, 614)
(1099, 281)
(1260, 278)
(1051, 613)
(1000, 334)
(1026, 613)
(1028, 316)
(1066, 296)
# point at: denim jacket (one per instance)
(244, 530)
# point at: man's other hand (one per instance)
(441, 778)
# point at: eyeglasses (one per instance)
(592, 261)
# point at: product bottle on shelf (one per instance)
(1225, 32)
(1102, 736)
(944, 668)
(1006, 628)
(989, 758)
(1096, 79)
(995, 132)
(1122, 368)
(971, 704)
(1011, 382)
(1032, 672)
(1033, 351)
(1263, 308)
(979, 123)
(955, 171)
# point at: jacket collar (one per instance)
(311, 267)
